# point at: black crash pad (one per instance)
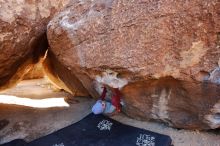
(17, 142)
(99, 130)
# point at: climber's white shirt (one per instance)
(109, 108)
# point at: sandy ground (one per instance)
(30, 123)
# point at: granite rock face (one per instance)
(62, 78)
(35, 73)
(23, 36)
(161, 54)
(181, 104)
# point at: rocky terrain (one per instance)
(29, 123)
(23, 38)
(163, 55)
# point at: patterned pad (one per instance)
(98, 130)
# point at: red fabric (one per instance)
(103, 93)
(116, 100)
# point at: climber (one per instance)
(107, 107)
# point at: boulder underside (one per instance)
(164, 56)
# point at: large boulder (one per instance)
(161, 54)
(35, 73)
(23, 36)
(62, 78)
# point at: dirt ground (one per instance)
(18, 121)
